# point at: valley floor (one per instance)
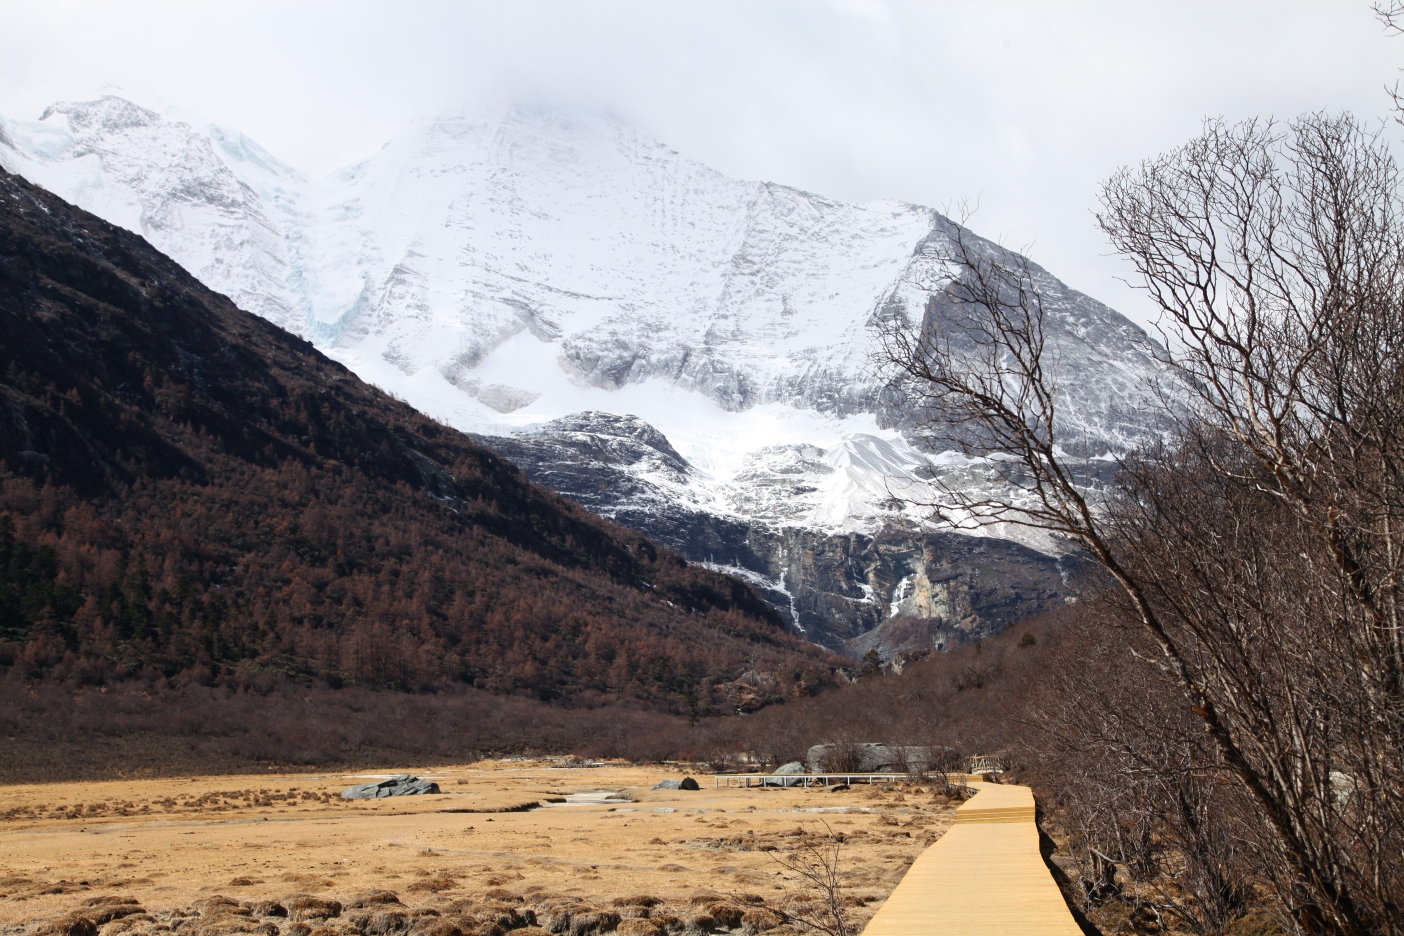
(168, 844)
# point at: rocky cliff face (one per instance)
(686, 353)
(847, 590)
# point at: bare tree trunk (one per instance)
(1279, 263)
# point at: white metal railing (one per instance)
(821, 779)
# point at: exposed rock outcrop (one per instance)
(398, 785)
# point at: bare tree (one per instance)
(1277, 258)
(814, 859)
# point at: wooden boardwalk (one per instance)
(984, 877)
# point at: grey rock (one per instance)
(398, 785)
(788, 774)
(686, 783)
(872, 758)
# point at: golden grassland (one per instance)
(168, 846)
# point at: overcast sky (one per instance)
(1025, 107)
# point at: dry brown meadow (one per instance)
(650, 862)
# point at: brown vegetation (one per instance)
(1247, 732)
(260, 851)
(189, 495)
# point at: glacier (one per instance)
(687, 353)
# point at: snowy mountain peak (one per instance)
(585, 296)
(108, 114)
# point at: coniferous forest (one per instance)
(190, 494)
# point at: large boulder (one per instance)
(686, 783)
(793, 767)
(398, 785)
(870, 758)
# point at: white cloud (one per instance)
(1027, 106)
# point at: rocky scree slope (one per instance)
(189, 492)
(513, 272)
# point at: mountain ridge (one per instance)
(192, 493)
(503, 269)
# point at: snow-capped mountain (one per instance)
(521, 274)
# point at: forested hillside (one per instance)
(190, 493)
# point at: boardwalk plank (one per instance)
(984, 876)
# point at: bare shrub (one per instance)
(842, 757)
(814, 858)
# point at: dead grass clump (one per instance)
(497, 880)
(210, 906)
(761, 919)
(136, 921)
(588, 924)
(784, 929)
(382, 923)
(106, 909)
(376, 898)
(726, 915)
(638, 926)
(440, 926)
(307, 907)
(699, 924)
(309, 880)
(72, 925)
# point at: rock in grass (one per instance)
(686, 783)
(398, 785)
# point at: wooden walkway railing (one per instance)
(984, 876)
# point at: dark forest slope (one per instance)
(194, 494)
